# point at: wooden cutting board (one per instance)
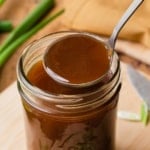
(129, 135)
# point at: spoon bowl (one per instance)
(108, 44)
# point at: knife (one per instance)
(142, 87)
(140, 83)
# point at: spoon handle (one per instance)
(128, 13)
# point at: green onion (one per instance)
(1, 2)
(5, 26)
(131, 116)
(43, 7)
(13, 46)
(144, 113)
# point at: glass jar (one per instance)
(83, 120)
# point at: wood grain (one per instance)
(129, 135)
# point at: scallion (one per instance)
(43, 7)
(9, 50)
(1, 2)
(144, 113)
(5, 26)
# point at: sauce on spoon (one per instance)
(76, 59)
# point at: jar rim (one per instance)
(57, 78)
(25, 83)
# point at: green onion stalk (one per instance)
(41, 9)
(9, 50)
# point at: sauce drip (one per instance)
(77, 59)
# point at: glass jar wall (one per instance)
(66, 118)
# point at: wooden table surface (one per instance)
(129, 135)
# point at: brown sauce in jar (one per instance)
(78, 59)
(92, 130)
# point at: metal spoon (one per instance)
(109, 44)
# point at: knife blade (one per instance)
(140, 83)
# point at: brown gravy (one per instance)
(78, 59)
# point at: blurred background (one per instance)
(25, 22)
(97, 16)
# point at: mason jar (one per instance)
(69, 119)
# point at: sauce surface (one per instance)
(77, 59)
